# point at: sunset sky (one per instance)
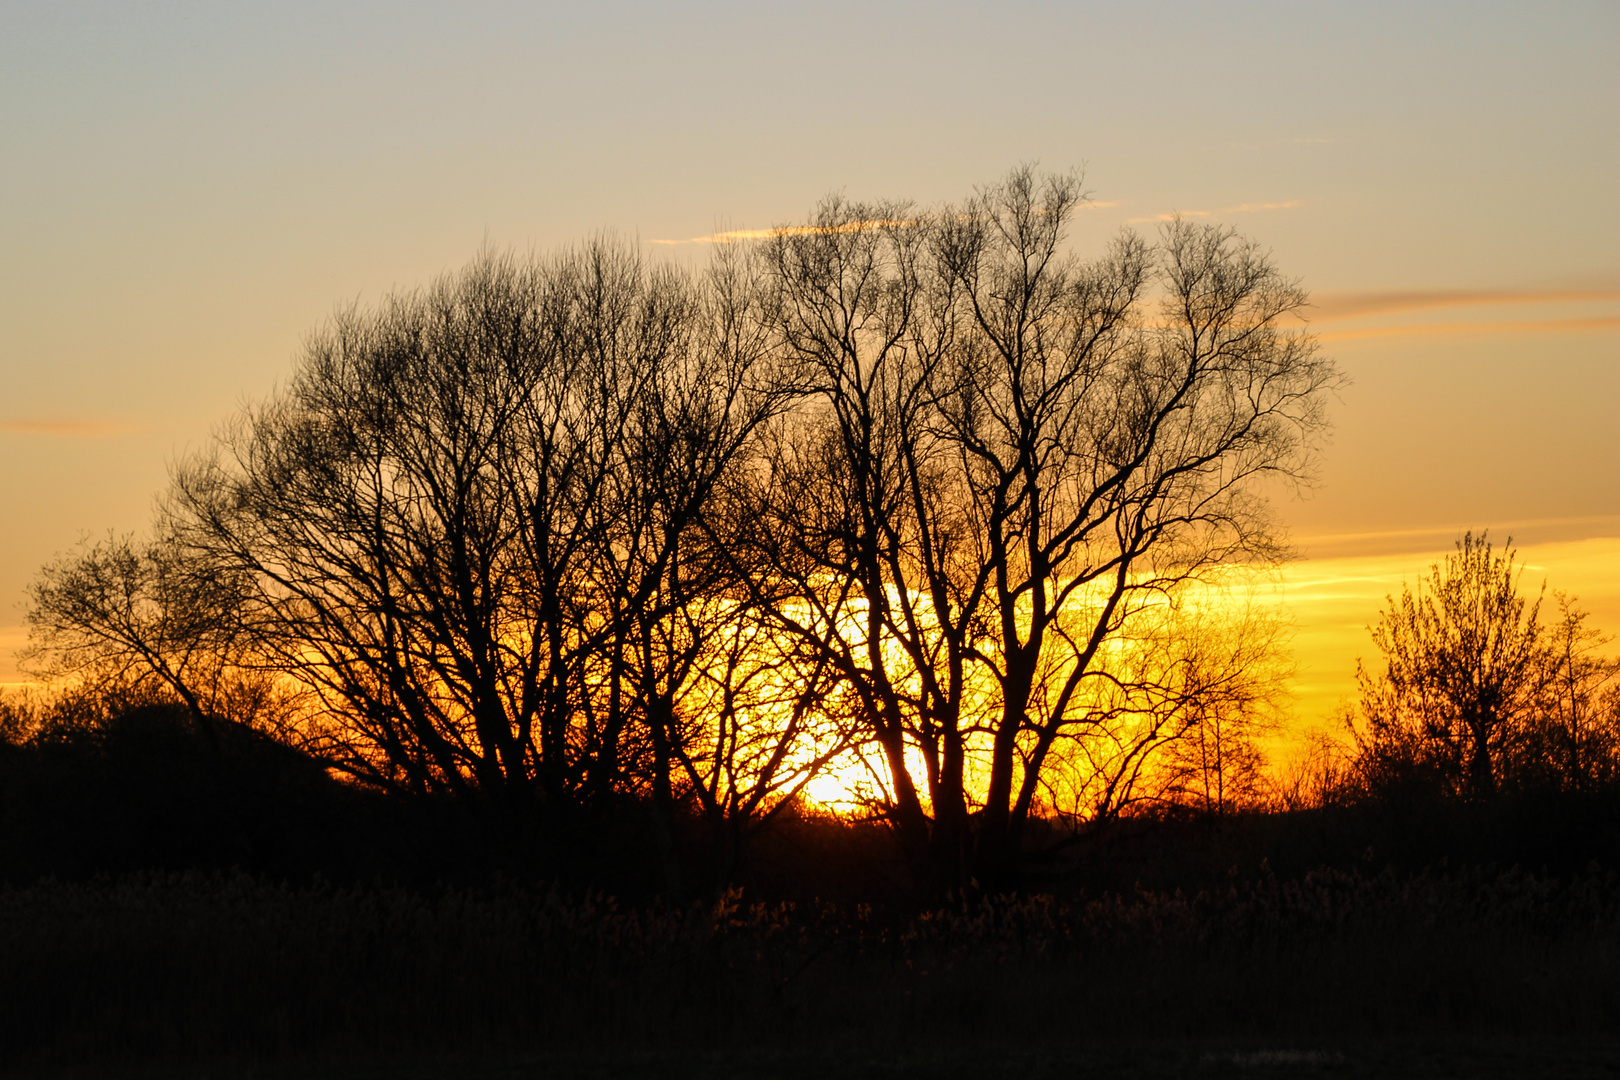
(189, 188)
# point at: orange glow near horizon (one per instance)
(1334, 600)
(1328, 603)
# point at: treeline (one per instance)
(611, 557)
(94, 787)
(913, 491)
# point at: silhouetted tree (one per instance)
(1113, 455)
(127, 615)
(1463, 667)
(467, 504)
(1008, 459)
(550, 533)
(1574, 741)
(17, 719)
(670, 592)
(1322, 773)
(1176, 724)
(854, 540)
(742, 727)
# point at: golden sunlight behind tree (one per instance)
(553, 536)
(1476, 690)
(1461, 668)
(470, 506)
(123, 616)
(1007, 455)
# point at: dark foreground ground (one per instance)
(1408, 935)
(1486, 1057)
(1437, 973)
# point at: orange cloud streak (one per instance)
(807, 230)
(1517, 326)
(70, 428)
(1354, 305)
(1241, 208)
(786, 230)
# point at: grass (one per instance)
(1330, 973)
(1481, 1058)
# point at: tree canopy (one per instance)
(915, 487)
(1475, 688)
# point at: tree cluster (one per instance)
(915, 491)
(1477, 692)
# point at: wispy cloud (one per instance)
(1254, 207)
(1515, 326)
(69, 428)
(731, 235)
(1441, 537)
(1355, 305)
(1241, 208)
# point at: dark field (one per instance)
(1485, 1057)
(1347, 974)
(164, 912)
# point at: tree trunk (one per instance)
(1482, 777)
(663, 803)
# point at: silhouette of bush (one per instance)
(104, 787)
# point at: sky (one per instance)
(188, 189)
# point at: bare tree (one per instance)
(1232, 688)
(1463, 665)
(1113, 455)
(1008, 460)
(854, 531)
(1189, 688)
(553, 531)
(667, 588)
(1577, 723)
(742, 729)
(1322, 773)
(142, 616)
(464, 504)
